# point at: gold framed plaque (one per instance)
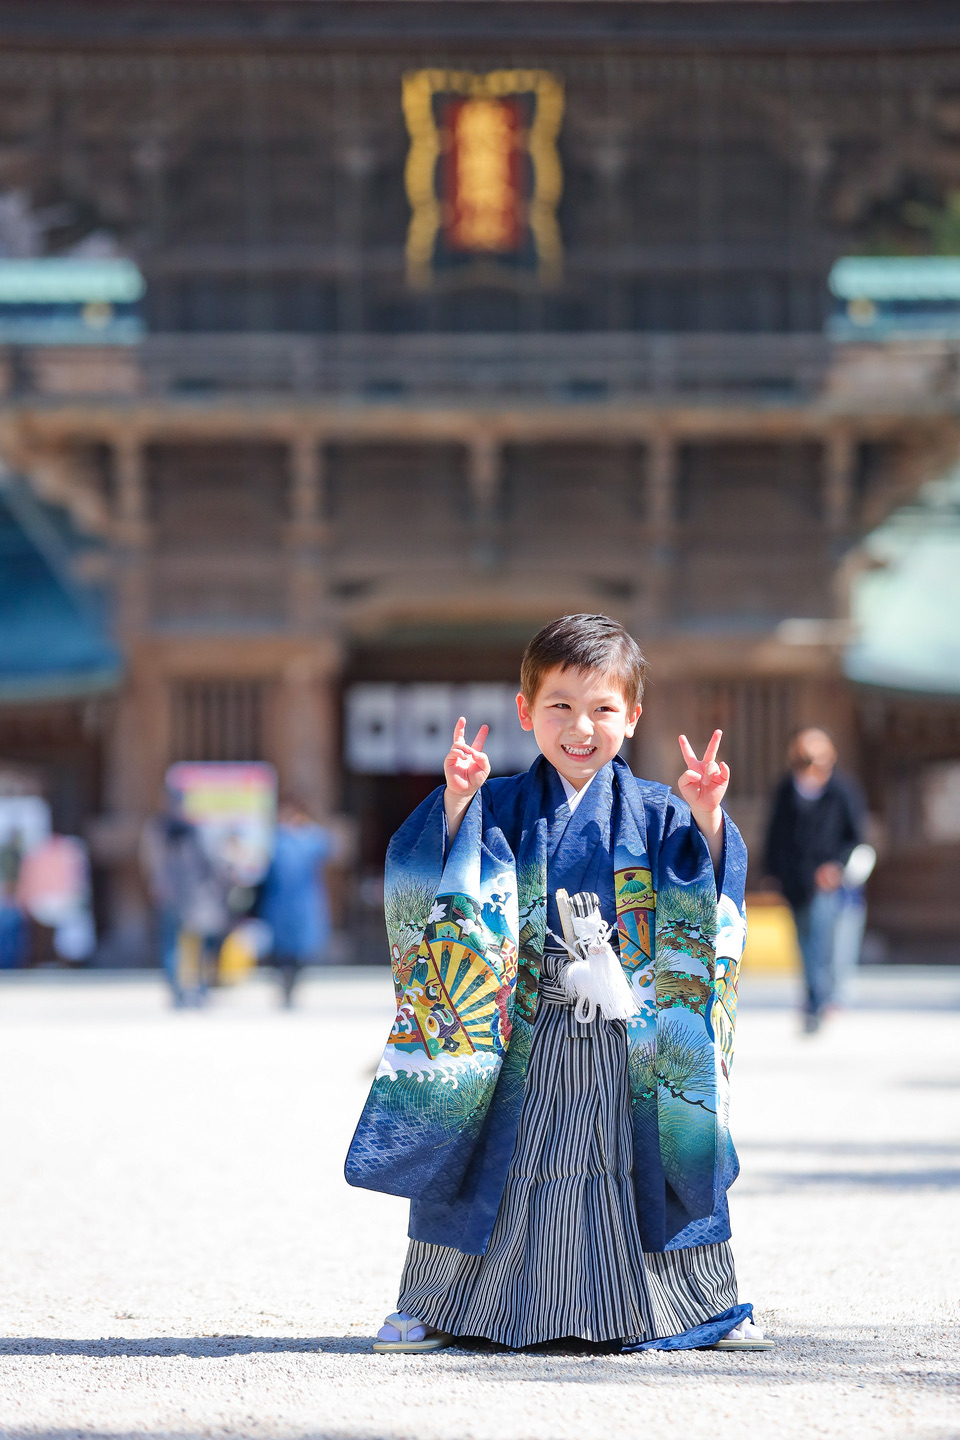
(483, 175)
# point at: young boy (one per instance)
(553, 1094)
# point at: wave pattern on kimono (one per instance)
(467, 932)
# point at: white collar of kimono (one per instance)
(575, 796)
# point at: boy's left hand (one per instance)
(704, 782)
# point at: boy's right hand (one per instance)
(466, 767)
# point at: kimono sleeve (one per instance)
(426, 1108)
(414, 868)
(701, 915)
(730, 940)
(699, 935)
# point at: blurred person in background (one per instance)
(293, 897)
(815, 826)
(14, 932)
(190, 894)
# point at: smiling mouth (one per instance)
(579, 752)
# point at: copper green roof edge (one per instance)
(76, 685)
(896, 277)
(904, 607)
(866, 671)
(61, 280)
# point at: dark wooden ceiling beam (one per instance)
(652, 24)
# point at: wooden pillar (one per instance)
(135, 749)
(307, 478)
(132, 531)
(839, 461)
(308, 749)
(306, 532)
(307, 752)
(484, 478)
(656, 567)
(661, 511)
(130, 478)
(130, 760)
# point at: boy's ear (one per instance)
(632, 719)
(523, 710)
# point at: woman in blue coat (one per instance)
(294, 897)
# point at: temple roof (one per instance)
(54, 638)
(906, 606)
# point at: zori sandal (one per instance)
(412, 1337)
(745, 1336)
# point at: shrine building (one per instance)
(343, 343)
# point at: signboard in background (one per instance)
(24, 824)
(491, 202)
(407, 729)
(54, 887)
(234, 808)
(46, 877)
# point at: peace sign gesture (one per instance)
(704, 782)
(466, 767)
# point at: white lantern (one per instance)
(371, 729)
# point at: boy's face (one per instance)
(580, 719)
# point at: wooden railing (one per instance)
(552, 368)
(573, 367)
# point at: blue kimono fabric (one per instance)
(565, 1179)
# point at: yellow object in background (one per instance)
(189, 947)
(237, 958)
(771, 947)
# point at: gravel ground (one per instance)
(181, 1256)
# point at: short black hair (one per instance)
(584, 642)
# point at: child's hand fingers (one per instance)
(466, 767)
(710, 754)
(687, 751)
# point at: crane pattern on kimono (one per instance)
(500, 895)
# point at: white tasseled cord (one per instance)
(594, 980)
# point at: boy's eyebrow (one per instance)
(567, 694)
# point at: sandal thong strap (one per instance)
(404, 1325)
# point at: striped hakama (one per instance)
(565, 1258)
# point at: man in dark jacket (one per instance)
(816, 821)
